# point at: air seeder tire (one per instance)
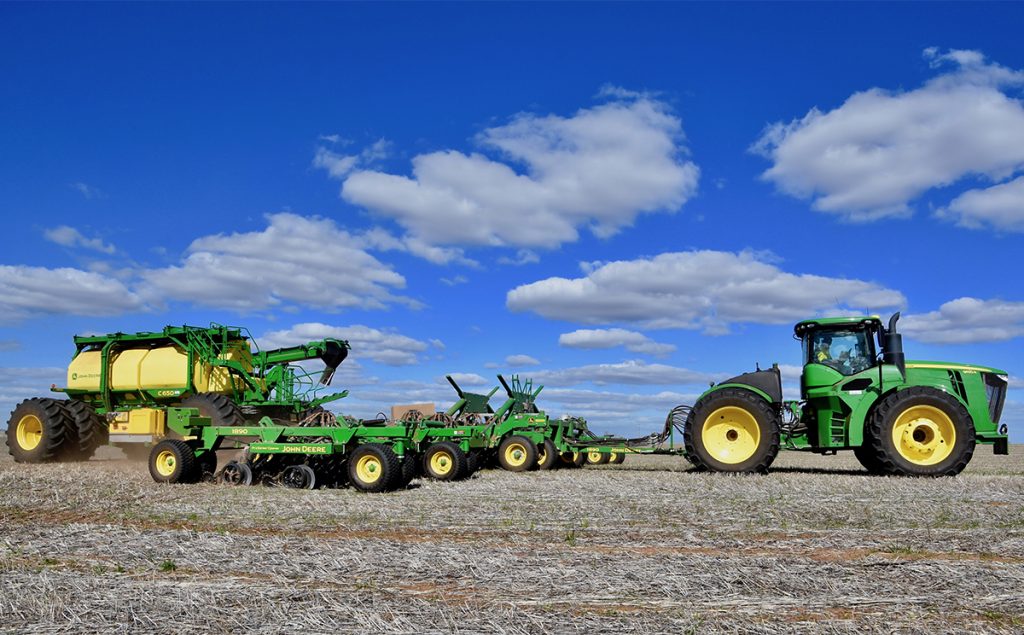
(617, 458)
(173, 461)
(547, 456)
(39, 431)
(445, 461)
(597, 458)
(517, 454)
(732, 430)
(921, 431)
(90, 430)
(219, 408)
(373, 468)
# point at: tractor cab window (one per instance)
(848, 352)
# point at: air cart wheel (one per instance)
(474, 461)
(173, 461)
(219, 408)
(373, 468)
(40, 431)
(617, 458)
(90, 430)
(235, 473)
(921, 431)
(444, 461)
(547, 456)
(597, 458)
(517, 454)
(732, 430)
(298, 477)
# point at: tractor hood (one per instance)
(928, 365)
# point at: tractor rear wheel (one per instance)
(547, 456)
(445, 461)
(219, 408)
(517, 454)
(373, 468)
(91, 430)
(866, 456)
(39, 431)
(173, 461)
(921, 431)
(732, 430)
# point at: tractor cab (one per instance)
(838, 349)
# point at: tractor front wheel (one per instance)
(732, 430)
(921, 431)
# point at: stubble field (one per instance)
(815, 546)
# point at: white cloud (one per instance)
(88, 191)
(598, 168)
(385, 347)
(1000, 206)
(338, 166)
(521, 360)
(696, 290)
(306, 261)
(967, 321)
(71, 237)
(876, 153)
(610, 338)
(636, 372)
(27, 292)
(522, 257)
(455, 280)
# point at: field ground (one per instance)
(816, 546)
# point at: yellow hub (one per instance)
(612, 457)
(515, 454)
(441, 463)
(594, 457)
(731, 435)
(165, 463)
(369, 469)
(542, 455)
(29, 432)
(924, 435)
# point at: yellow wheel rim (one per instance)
(731, 435)
(612, 457)
(515, 454)
(29, 432)
(165, 462)
(594, 457)
(441, 463)
(542, 455)
(369, 469)
(924, 435)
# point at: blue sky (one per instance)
(625, 201)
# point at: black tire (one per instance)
(207, 465)
(617, 458)
(373, 468)
(474, 461)
(547, 456)
(444, 461)
(219, 408)
(517, 454)
(40, 430)
(173, 461)
(930, 419)
(597, 458)
(745, 438)
(298, 477)
(235, 473)
(866, 456)
(409, 470)
(90, 429)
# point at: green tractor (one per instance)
(121, 385)
(898, 417)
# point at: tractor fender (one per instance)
(757, 391)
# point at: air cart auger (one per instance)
(120, 387)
